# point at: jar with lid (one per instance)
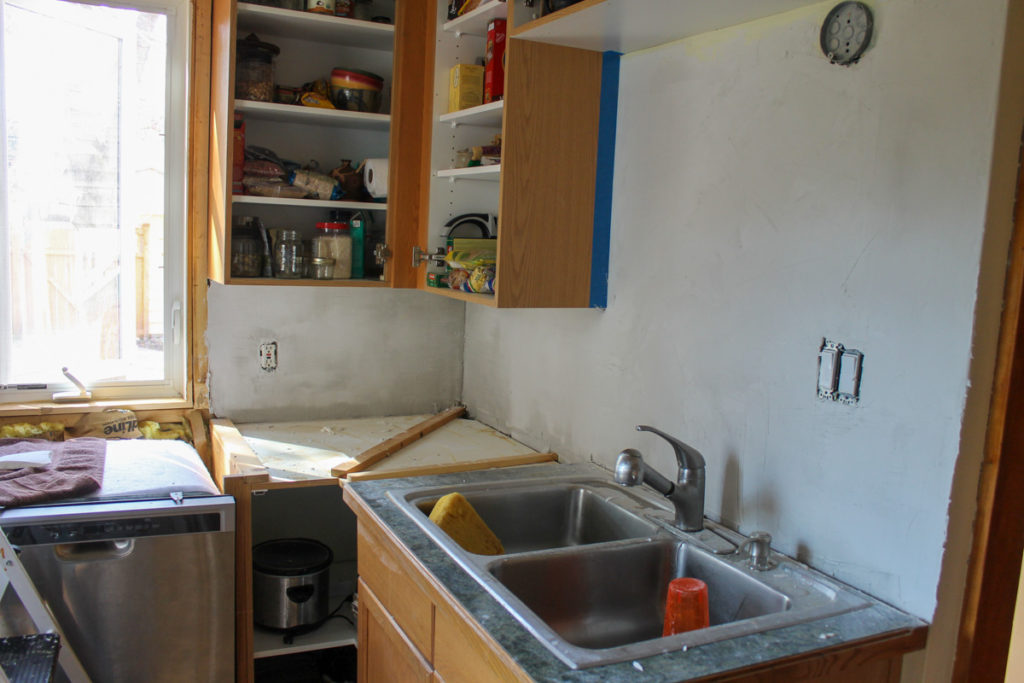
(332, 240)
(322, 268)
(289, 260)
(254, 72)
(246, 251)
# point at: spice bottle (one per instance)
(343, 8)
(288, 258)
(332, 240)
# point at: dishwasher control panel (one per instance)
(112, 529)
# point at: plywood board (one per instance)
(308, 450)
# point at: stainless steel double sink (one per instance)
(587, 565)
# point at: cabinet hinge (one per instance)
(381, 254)
(420, 256)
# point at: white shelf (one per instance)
(488, 115)
(475, 23)
(312, 26)
(307, 203)
(472, 173)
(294, 113)
(631, 25)
(334, 633)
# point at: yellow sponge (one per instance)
(458, 519)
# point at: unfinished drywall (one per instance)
(342, 353)
(764, 199)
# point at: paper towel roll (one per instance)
(375, 177)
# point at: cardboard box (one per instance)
(465, 86)
(494, 71)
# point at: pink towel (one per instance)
(75, 469)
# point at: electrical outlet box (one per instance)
(268, 356)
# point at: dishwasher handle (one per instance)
(94, 551)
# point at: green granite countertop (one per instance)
(540, 663)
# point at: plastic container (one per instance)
(289, 261)
(254, 71)
(686, 606)
(333, 241)
(246, 252)
(355, 90)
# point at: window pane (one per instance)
(85, 191)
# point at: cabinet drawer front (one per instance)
(385, 653)
(394, 580)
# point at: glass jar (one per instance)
(322, 268)
(246, 252)
(288, 258)
(254, 72)
(332, 240)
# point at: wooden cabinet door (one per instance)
(385, 653)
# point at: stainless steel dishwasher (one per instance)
(142, 584)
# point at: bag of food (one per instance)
(317, 185)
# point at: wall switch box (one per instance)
(828, 369)
(850, 363)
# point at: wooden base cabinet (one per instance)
(385, 652)
(409, 629)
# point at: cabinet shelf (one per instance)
(304, 282)
(307, 203)
(487, 115)
(293, 113)
(492, 172)
(334, 633)
(630, 25)
(471, 297)
(316, 27)
(475, 23)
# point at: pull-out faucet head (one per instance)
(629, 468)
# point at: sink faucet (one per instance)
(687, 494)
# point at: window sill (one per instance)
(48, 408)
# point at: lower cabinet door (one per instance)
(385, 653)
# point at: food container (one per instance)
(254, 72)
(291, 582)
(246, 252)
(355, 90)
(320, 6)
(322, 268)
(289, 260)
(334, 241)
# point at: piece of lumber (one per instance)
(396, 443)
(448, 467)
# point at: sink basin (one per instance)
(528, 518)
(587, 565)
(615, 596)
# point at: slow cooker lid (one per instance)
(291, 556)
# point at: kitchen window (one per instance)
(93, 198)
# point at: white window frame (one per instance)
(176, 234)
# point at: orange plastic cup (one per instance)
(686, 607)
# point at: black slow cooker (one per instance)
(290, 582)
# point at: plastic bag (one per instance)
(317, 185)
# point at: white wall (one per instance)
(764, 199)
(341, 352)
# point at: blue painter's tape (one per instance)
(605, 174)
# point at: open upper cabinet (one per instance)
(312, 45)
